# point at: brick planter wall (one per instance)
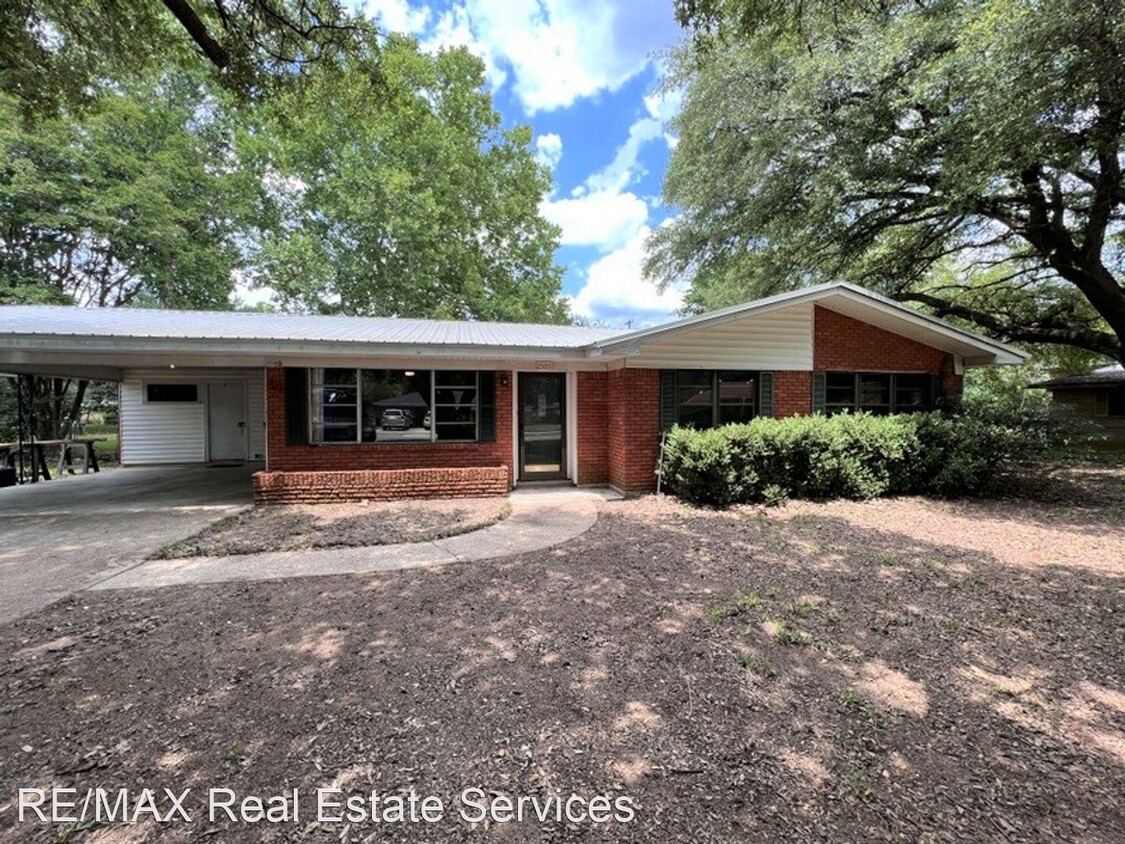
(379, 485)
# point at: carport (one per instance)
(64, 536)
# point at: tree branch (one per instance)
(195, 27)
(1047, 329)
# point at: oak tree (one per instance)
(961, 154)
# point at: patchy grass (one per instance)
(757, 665)
(787, 634)
(742, 603)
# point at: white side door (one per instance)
(226, 420)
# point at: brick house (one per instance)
(348, 407)
(1097, 398)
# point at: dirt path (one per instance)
(749, 676)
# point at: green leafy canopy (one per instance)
(57, 54)
(961, 154)
(416, 203)
(136, 201)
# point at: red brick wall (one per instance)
(634, 428)
(379, 485)
(849, 344)
(593, 444)
(324, 458)
(792, 393)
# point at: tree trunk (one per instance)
(71, 419)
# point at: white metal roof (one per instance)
(37, 337)
(62, 321)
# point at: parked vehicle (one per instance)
(395, 420)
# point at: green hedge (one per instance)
(845, 456)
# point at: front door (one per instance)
(226, 420)
(542, 422)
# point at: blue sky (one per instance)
(585, 75)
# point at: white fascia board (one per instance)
(273, 348)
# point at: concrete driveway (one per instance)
(68, 534)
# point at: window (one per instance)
(335, 401)
(912, 393)
(738, 394)
(393, 405)
(1110, 402)
(839, 392)
(172, 392)
(705, 398)
(877, 392)
(694, 402)
(455, 405)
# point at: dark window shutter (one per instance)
(818, 384)
(296, 406)
(765, 394)
(486, 411)
(667, 399)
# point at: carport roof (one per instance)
(62, 321)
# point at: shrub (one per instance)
(847, 456)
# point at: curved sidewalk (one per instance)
(539, 519)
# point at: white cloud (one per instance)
(605, 219)
(663, 106)
(555, 51)
(616, 288)
(624, 169)
(601, 211)
(397, 15)
(247, 295)
(549, 150)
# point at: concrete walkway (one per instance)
(540, 519)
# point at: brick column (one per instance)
(634, 428)
(593, 442)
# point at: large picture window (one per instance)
(706, 398)
(393, 405)
(877, 392)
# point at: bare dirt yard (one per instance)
(303, 526)
(900, 670)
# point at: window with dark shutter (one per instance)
(819, 391)
(667, 399)
(704, 398)
(487, 407)
(765, 391)
(296, 406)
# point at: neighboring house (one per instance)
(481, 407)
(1098, 397)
